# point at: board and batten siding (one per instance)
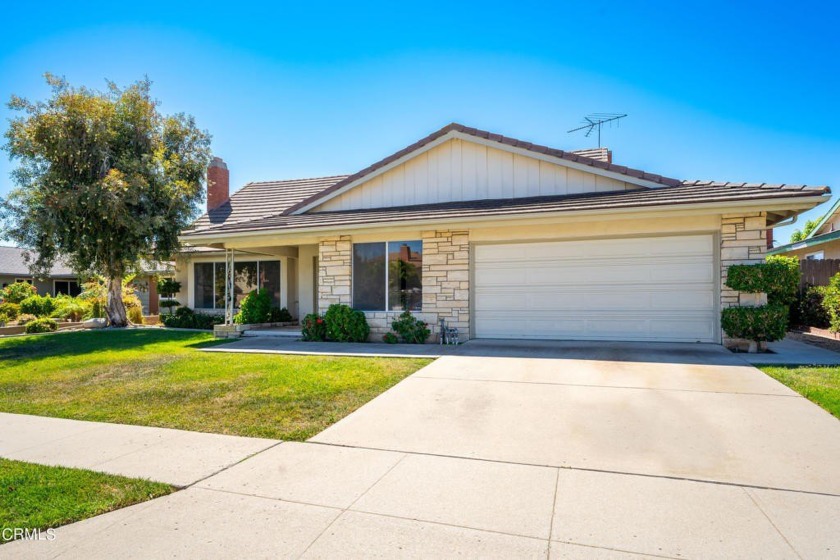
(461, 170)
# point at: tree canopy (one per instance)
(801, 234)
(103, 180)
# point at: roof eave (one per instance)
(800, 203)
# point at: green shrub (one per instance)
(40, 306)
(135, 315)
(42, 325)
(345, 324)
(410, 330)
(4, 319)
(10, 310)
(170, 304)
(314, 328)
(760, 324)
(831, 303)
(778, 278)
(25, 318)
(168, 287)
(70, 309)
(280, 315)
(809, 309)
(17, 292)
(390, 338)
(186, 318)
(255, 308)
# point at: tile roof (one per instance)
(483, 134)
(262, 199)
(688, 193)
(13, 263)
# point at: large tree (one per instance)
(103, 181)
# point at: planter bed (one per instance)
(21, 329)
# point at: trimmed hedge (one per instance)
(186, 318)
(761, 324)
(778, 278)
(345, 324)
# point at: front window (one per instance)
(209, 282)
(817, 256)
(387, 276)
(67, 288)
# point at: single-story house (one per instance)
(497, 237)
(61, 279)
(823, 242)
(14, 268)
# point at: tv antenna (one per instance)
(596, 121)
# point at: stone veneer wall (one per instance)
(446, 282)
(335, 258)
(743, 240)
(446, 279)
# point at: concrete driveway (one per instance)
(520, 451)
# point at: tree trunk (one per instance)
(115, 309)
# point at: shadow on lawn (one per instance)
(27, 348)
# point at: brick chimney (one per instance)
(218, 184)
(602, 154)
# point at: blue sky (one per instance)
(743, 91)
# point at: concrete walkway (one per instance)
(176, 457)
(614, 452)
(787, 351)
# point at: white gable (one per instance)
(460, 169)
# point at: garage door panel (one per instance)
(660, 288)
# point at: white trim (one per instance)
(376, 173)
(672, 209)
(387, 276)
(454, 134)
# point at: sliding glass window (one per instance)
(387, 276)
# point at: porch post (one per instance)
(229, 289)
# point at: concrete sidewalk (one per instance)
(577, 451)
(176, 457)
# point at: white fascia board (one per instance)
(678, 209)
(484, 142)
(372, 174)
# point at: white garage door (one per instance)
(656, 288)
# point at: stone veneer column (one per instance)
(335, 256)
(743, 240)
(446, 279)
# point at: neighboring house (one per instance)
(62, 279)
(14, 268)
(497, 237)
(822, 243)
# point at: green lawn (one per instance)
(820, 384)
(156, 377)
(38, 497)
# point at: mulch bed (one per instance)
(817, 337)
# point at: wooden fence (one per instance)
(818, 272)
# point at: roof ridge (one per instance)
(493, 137)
